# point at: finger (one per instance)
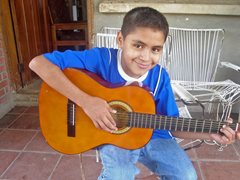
(238, 136)
(228, 132)
(230, 120)
(96, 124)
(110, 115)
(113, 110)
(102, 124)
(109, 122)
(217, 138)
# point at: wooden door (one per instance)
(9, 42)
(27, 16)
(27, 34)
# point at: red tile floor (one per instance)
(24, 154)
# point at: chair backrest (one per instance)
(105, 40)
(195, 54)
(106, 37)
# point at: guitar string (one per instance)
(170, 119)
(186, 123)
(168, 122)
(125, 116)
(174, 126)
(162, 118)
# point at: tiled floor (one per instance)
(25, 155)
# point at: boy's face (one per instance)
(141, 50)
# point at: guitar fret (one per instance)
(203, 126)
(165, 122)
(171, 124)
(134, 120)
(176, 124)
(195, 128)
(131, 119)
(146, 121)
(142, 120)
(140, 125)
(160, 122)
(137, 120)
(182, 124)
(155, 119)
(159, 125)
(189, 123)
(150, 125)
(210, 128)
(219, 125)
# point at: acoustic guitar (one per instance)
(69, 130)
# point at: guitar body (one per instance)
(53, 115)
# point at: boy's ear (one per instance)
(120, 39)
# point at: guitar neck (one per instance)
(140, 120)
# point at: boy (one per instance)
(140, 42)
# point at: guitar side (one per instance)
(53, 116)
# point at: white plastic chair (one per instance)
(193, 63)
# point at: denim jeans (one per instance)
(164, 157)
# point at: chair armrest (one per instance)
(182, 93)
(230, 65)
(186, 97)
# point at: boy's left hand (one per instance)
(229, 135)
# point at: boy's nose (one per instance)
(145, 55)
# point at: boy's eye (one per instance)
(156, 50)
(138, 46)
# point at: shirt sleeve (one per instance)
(88, 59)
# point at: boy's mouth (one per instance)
(143, 66)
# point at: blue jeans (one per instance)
(164, 157)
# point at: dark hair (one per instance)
(144, 17)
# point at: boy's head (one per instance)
(144, 17)
(141, 40)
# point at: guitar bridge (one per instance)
(71, 119)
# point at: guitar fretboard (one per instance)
(140, 120)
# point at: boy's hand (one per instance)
(229, 135)
(100, 113)
(238, 135)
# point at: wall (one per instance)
(230, 23)
(6, 97)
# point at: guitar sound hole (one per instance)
(121, 116)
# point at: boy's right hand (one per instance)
(100, 113)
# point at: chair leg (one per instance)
(97, 156)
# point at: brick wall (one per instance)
(6, 97)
